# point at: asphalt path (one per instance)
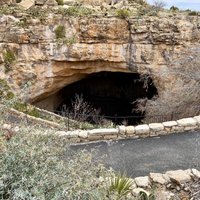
(138, 157)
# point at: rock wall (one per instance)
(139, 131)
(44, 64)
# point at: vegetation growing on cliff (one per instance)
(5, 91)
(60, 32)
(184, 90)
(76, 11)
(123, 13)
(60, 2)
(9, 58)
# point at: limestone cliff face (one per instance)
(141, 45)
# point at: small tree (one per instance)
(159, 4)
(82, 111)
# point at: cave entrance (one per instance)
(110, 93)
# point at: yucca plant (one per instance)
(120, 186)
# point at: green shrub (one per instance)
(9, 58)
(60, 2)
(174, 8)
(122, 13)
(141, 2)
(148, 10)
(26, 108)
(159, 4)
(60, 32)
(5, 91)
(35, 166)
(76, 11)
(193, 13)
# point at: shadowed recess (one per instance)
(112, 94)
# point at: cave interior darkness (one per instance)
(112, 93)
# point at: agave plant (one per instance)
(120, 186)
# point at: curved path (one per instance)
(138, 157)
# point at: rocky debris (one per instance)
(9, 131)
(159, 178)
(40, 2)
(68, 2)
(179, 184)
(142, 181)
(179, 176)
(26, 4)
(196, 173)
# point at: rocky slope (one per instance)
(41, 51)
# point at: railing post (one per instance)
(172, 116)
(67, 120)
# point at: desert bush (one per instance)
(193, 13)
(5, 91)
(60, 32)
(60, 2)
(159, 4)
(122, 13)
(36, 166)
(82, 111)
(174, 8)
(76, 11)
(180, 97)
(148, 10)
(8, 58)
(141, 2)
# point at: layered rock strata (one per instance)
(43, 63)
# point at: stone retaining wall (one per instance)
(16, 117)
(179, 184)
(139, 131)
(120, 132)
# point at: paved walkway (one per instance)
(138, 157)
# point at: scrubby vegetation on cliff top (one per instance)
(91, 8)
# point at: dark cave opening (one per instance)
(112, 94)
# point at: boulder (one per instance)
(26, 4)
(40, 2)
(180, 176)
(142, 181)
(51, 3)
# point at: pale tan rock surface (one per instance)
(99, 44)
(180, 176)
(142, 181)
(26, 4)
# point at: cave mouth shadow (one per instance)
(112, 94)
